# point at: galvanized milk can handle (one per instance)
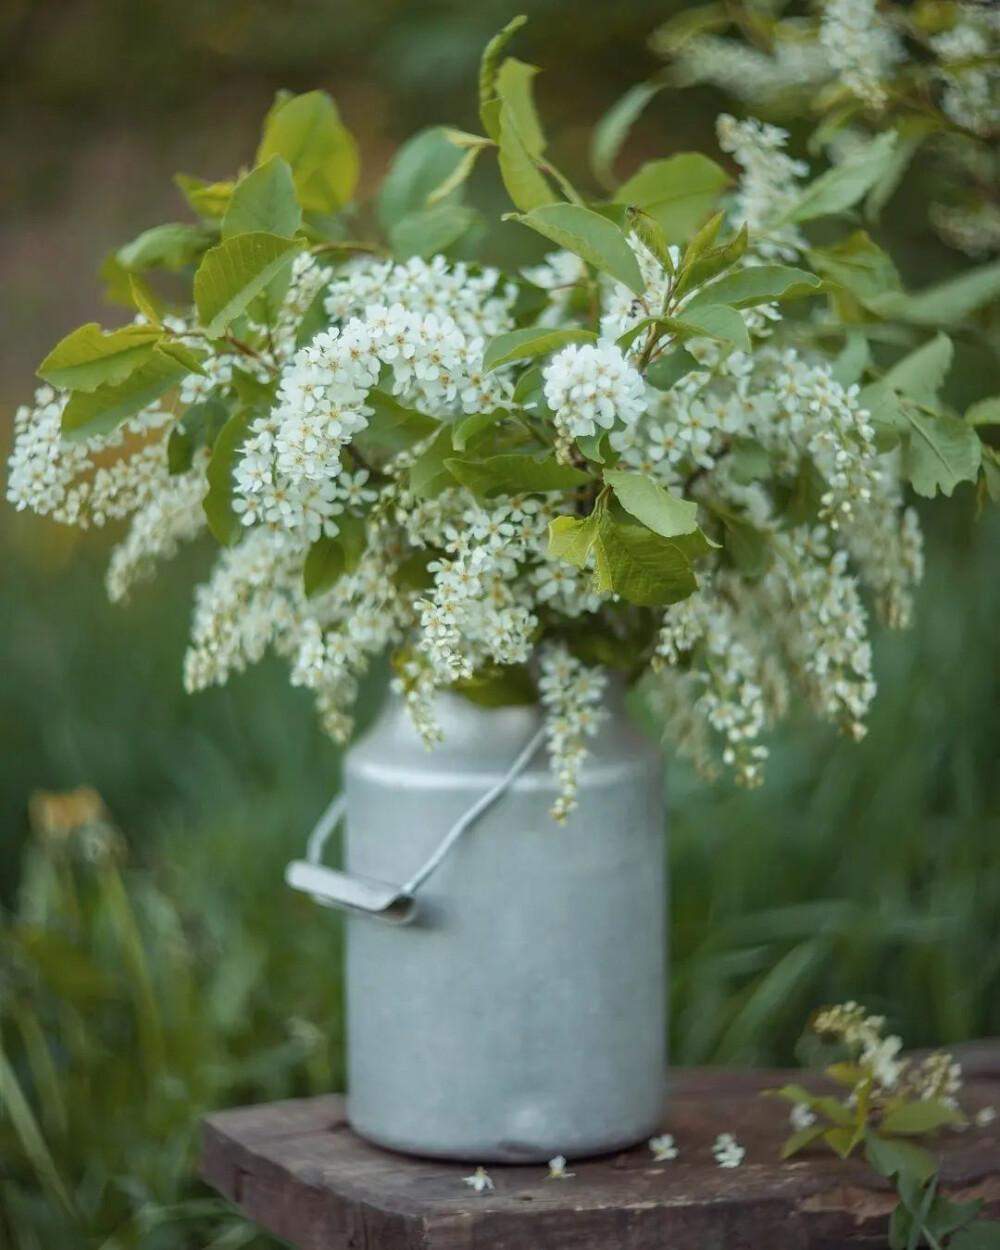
(392, 903)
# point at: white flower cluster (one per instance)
(664, 1148)
(288, 470)
(732, 698)
(887, 548)
(572, 696)
(861, 47)
(172, 516)
(356, 620)
(482, 590)
(727, 1151)
(975, 231)
(255, 600)
(971, 95)
(478, 611)
(75, 482)
(251, 602)
(938, 1077)
(592, 386)
(824, 626)
(748, 73)
(622, 309)
(308, 278)
(770, 183)
(291, 464)
(478, 301)
(492, 575)
(558, 1170)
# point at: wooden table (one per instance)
(300, 1172)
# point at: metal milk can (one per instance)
(508, 1003)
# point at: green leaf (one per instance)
(800, 1139)
(897, 1158)
(842, 186)
(417, 172)
(224, 523)
(612, 130)
(572, 538)
(529, 343)
(462, 171)
(489, 68)
(947, 302)
(832, 1108)
(709, 263)
(750, 461)
(748, 547)
(252, 392)
(984, 412)
(173, 247)
(703, 239)
(429, 475)
(208, 199)
(649, 232)
(857, 264)
(234, 272)
(391, 427)
(514, 88)
(668, 370)
(911, 134)
(495, 685)
(431, 230)
(761, 284)
(513, 473)
(89, 358)
(983, 1235)
(678, 192)
(850, 365)
(843, 1140)
(650, 503)
(806, 497)
(849, 1074)
(991, 472)
(597, 447)
(200, 426)
(89, 414)
(687, 24)
(264, 203)
(922, 373)
(714, 321)
(524, 182)
(921, 1116)
(468, 429)
(590, 236)
(323, 567)
(307, 132)
(144, 299)
(182, 354)
(329, 558)
(643, 567)
(946, 1217)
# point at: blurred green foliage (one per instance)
(143, 983)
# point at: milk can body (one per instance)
(522, 1013)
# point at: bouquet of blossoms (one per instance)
(666, 450)
(927, 72)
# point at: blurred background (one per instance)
(152, 964)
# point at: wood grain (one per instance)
(300, 1172)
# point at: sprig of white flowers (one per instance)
(622, 453)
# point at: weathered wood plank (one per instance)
(298, 1170)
